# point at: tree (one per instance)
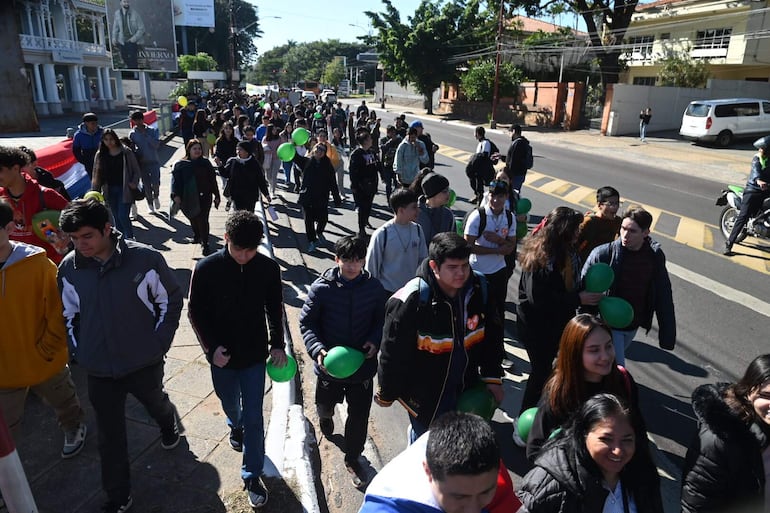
(199, 62)
(421, 51)
(479, 81)
(681, 70)
(334, 72)
(293, 61)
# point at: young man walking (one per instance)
(147, 141)
(344, 308)
(442, 334)
(122, 306)
(236, 309)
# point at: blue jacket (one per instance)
(758, 172)
(659, 298)
(85, 146)
(343, 313)
(121, 314)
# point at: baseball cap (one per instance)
(499, 187)
(415, 124)
(90, 116)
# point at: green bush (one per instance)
(478, 82)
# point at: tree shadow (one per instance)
(647, 353)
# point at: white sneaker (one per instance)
(134, 213)
(152, 209)
(74, 441)
(157, 204)
(516, 437)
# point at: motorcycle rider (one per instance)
(755, 192)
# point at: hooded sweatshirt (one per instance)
(34, 343)
(85, 145)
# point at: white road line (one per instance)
(720, 289)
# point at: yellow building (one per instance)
(732, 35)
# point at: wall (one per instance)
(668, 103)
(405, 96)
(18, 112)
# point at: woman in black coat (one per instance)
(318, 180)
(245, 179)
(724, 469)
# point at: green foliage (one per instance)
(479, 81)
(423, 50)
(293, 61)
(181, 89)
(200, 62)
(334, 72)
(681, 70)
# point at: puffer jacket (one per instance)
(85, 145)
(723, 469)
(419, 337)
(338, 312)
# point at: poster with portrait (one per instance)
(142, 36)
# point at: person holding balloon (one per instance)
(584, 367)
(598, 462)
(549, 294)
(641, 280)
(601, 226)
(344, 308)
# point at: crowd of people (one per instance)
(422, 297)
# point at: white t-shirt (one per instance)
(614, 501)
(484, 147)
(489, 264)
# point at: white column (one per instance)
(107, 88)
(28, 10)
(40, 104)
(100, 87)
(51, 92)
(93, 30)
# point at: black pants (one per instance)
(200, 223)
(315, 221)
(497, 286)
(359, 398)
(541, 349)
(129, 52)
(247, 204)
(478, 184)
(750, 205)
(108, 397)
(364, 203)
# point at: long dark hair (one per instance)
(103, 149)
(554, 241)
(737, 397)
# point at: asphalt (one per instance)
(202, 473)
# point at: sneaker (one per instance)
(192, 240)
(170, 439)
(516, 437)
(206, 249)
(257, 492)
(321, 239)
(358, 475)
(228, 205)
(311, 247)
(74, 441)
(118, 507)
(134, 213)
(728, 251)
(156, 202)
(236, 439)
(327, 427)
(152, 209)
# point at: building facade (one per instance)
(64, 46)
(732, 35)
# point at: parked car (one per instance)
(308, 95)
(723, 121)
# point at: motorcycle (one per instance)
(757, 226)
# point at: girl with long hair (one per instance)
(549, 295)
(201, 130)
(600, 462)
(194, 189)
(270, 142)
(318, 181)
(728, 461)
(116, 175)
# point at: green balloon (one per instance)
(521, 230)
(616, 312)
(599, 277)
(342, 362)
(282, 374)
(452, 198)
(317, 115)
(524, 424)
(523, 206)
(479, 400)
(300, 136)
(554, 433)
(459, 227)
(286, 152)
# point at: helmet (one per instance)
(762, 142)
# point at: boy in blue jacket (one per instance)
(344, 308)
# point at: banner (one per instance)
(194, 13)
(142, 36)
(59, 160)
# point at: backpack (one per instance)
(424, 289)
(510, 259)
(529, 160)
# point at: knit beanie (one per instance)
(433, 183)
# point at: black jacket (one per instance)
(659, 299)
(418, 341)
(239, 307)
(318, 180)
(723, 469)
(561, 483)
(338, 312)
(245, 180)
(365, 168)
(516, 158)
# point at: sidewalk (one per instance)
(203, 473)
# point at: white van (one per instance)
(722, 121)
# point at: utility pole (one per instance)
(233, 34)
(492, 121)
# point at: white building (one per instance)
(64, 45)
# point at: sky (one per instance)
(319, 20)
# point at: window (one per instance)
(766, 107)
(641, 47)
(712, 42)
(665, 36)
(697, 110)
(737, 109)
(648, 81)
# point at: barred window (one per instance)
(712, 39)
(641, 47)
(647, 81)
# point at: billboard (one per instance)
(142, 36)
(194, 13)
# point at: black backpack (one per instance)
(510, 259)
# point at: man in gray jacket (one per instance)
(122, 306)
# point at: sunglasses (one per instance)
(494, 184)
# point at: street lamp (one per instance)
(492, 121)
(234, 33)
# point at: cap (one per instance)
(137, 114)
(433, 183)
(499, 187)
(415, 124)
(90, 116)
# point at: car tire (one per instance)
(724, 138)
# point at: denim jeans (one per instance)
(621, 339)
(241, 392)
(120, 211)
(642, 130)
(517, 182)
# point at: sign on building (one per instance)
(194, 13)
(142, 35)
